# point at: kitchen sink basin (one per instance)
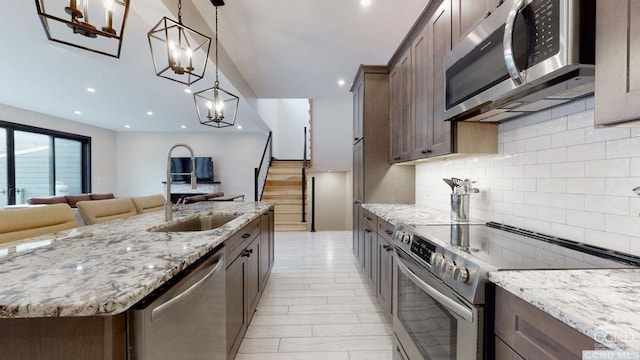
(198, 223)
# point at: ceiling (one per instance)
(280, 49)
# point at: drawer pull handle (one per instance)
(368, 218)
(247, 253)
(389, 232)
(367, 230)
(246, 236)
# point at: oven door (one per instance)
(429, 321)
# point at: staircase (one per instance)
(284, 188)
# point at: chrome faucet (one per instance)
(168, 205)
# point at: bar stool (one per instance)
(100, 211)
(17, 224)
(149, 203)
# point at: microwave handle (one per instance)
(507, 42)
(453, 306)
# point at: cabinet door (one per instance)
(252, 276)
(358, 111)
(422, 80)
(617, 93)
(400, 109)
(384, 259)
(370, 246)
(264, 250)
(358, 171)
(272, 239)
(357, 221)
(236, 305)
(467, 14)
(441, 40)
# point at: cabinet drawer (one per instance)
(369, 220)
(504, 352)
(385, 229)
(534, 334)
(241, 239)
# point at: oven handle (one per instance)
(458, 309)
(507, 42)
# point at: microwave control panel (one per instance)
(543, 17)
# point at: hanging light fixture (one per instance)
(58, 16)
(179, 53)
(216, 107)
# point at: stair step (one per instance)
(293, 171)
(284, 191)
(286, 208)
(286, 164)
(291, 226)
(288, 217)
(282, 197)
(279, 176)
(284, 182)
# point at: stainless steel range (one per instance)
(440, 282)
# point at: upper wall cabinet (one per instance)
(417, 95)
(468, 14)
(617, 92)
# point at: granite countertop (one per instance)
(414, 215)
(602, 304)
(105, 269)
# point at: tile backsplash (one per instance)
(554, 173)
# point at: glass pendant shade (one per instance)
(216, 107)
(93, 25)
(179, 53)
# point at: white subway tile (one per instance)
(617, 205)
(635, 132)
(538, 143)
(595, 151)
(553, 215)
(568, 201)
(503, 208)
(552, 126)
(537, 117)
(625, 225)
(500, 148)
(568, 232)
(568, 138)
(495, 172)
(572, 107)
(568, 169)
(503, 160)
(516, 221)
(588, 220)
(605, 134)
(503, 184)
(514, 171)
(524, 184)
(516, 197)
(525, 132)
(510, 125)
(547, 185)
(537, 199)
(558, 155)
(607, 168)
(590, 102)
(581, 120)
(594, 186)
(621, 186)
(635, 166)
(536, 171)
(607, 240)
(634, 243)
(525, 158)
(634, 207)
(526, 211)
(505, 136)
(623, 148)
(514, 147)
(537, 225)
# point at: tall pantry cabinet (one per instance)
(374, 179)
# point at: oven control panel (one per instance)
(424, 249)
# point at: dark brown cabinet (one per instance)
(358, 106)
(370, 224)
(378, 257)
(357, 233)
(525, 332)
(237, 319)
(400, 109)
(467, 14)
(384, 260)
(617, 85)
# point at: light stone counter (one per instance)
(602, 304)
(414, 215)
(105, 269)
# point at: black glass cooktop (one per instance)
(505, 247)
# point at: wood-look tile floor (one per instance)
(316, 305)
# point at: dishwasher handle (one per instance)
(159, 311)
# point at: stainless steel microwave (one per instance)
(526, 56)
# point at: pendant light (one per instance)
(179, 53)
(69, 22)
(216, 106)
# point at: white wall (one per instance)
(332, 212)
(103, 143)
(287, 119)
(554, 173)
(332, 134)
(142, 159)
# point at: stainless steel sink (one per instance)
(198, 223)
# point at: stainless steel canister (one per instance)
(460, 207)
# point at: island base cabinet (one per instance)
(533, 334)
(236, 305)
(68, 338)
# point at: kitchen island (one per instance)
(82, 280)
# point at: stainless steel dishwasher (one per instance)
(186, 318)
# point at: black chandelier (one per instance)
(216, 106)
(58, 16)
(179, 53)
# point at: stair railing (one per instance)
(260, 173)
(304, 178)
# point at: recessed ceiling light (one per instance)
(127, 126)
(341, 82)
(183, 126)
(187, 90)
(365, 3)
(91, 90)
(77, 112)
(149, 113)
(239, 127)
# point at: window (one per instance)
(36, 162)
